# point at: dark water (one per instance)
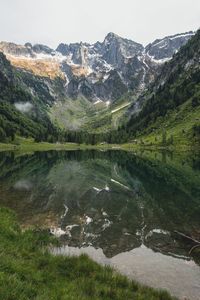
(122, 209)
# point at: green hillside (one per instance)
(34, 122)
(171, 108)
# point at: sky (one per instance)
(53, 21)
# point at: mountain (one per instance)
(79, 86)
(21, 112)
(163, 49)
(100, 71)
(171, 106)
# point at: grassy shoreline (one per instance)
(23, 145)
(29, 271)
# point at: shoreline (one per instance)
(26, 145)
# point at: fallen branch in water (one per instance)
(191, 239)
(187, 237)
(194, 247)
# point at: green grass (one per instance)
(28, 145)
(177, 123)
(28, 271)
(6, 147)
(25, 146)
(21, 144)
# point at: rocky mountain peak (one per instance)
(28, 45)
(164, 48)
(111, 36)
(127, 44)
(39, 48)
(14, 49)
(97, 68)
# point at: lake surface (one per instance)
(120, 208)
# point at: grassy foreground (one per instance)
(28, 271)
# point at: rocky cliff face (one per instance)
(163, 49)
(101, 71)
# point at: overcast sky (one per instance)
(53, 21)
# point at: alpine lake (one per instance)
(128, 210)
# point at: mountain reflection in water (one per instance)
(114, 201)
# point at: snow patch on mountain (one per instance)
(103, 70)
(189, 34)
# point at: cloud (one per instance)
(23, 184)
(24, 107)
